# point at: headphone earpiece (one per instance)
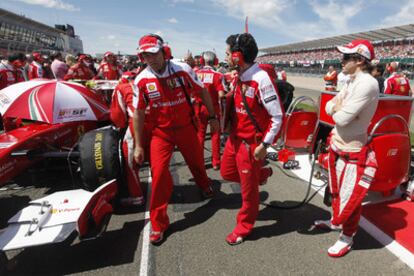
(167, 52)
(390, 69)
(237, 56)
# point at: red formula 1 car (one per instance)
(54, 119)
(44, 118)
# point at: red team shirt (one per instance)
(260, 92)
(213, 82)
(122, 109)
(397, 85)
(35, 70)
(165, 95)
(9, 75)
(79, 71)
(109, 72)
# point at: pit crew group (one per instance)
(169, 104)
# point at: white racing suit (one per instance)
(349, 182)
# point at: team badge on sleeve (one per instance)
(151, 87)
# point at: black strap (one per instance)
(249, 113)
(183, 86)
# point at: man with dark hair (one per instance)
(256, 119)
(166, 86)
(377, 71)
(11, 70)
(352, 164)
(197, 63)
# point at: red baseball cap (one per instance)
(36, 55)
(82, 57)
(359, 46)
(149, 44)
(107, 54)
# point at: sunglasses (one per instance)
(347, 57)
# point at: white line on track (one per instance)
(145, 252)
(393, 246)
(146, 232)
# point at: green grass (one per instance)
(305, 107)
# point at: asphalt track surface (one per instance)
(282, 243)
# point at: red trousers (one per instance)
(238, 165)
(162, 147)
(202, 123)
(350, 176)
(130, 166)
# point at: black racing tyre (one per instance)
(99, 159)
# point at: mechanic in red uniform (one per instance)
(213, 82)
(35, 67)
(396, 84)
(11, 70)
(281, 75)
(331, 79)
(250, 135)
(109, 69)
(80, 70)
(166, 86)
(122, 112)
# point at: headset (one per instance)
(203, 61)
(390, 69)
(165, 48)
(237, 55)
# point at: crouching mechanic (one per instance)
(256, 120)
(166, 86)
(122, 112)
(352, 164)
(213, 82)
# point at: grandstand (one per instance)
(21, 34)
(395, 43)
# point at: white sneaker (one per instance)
(327, 225)
(132, 201)
(341, 247)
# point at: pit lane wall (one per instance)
(313, 82)
(317, 83)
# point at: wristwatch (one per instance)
(265, 145)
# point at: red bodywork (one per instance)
(391, 141)
(38, 137)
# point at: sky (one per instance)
(201, 25)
